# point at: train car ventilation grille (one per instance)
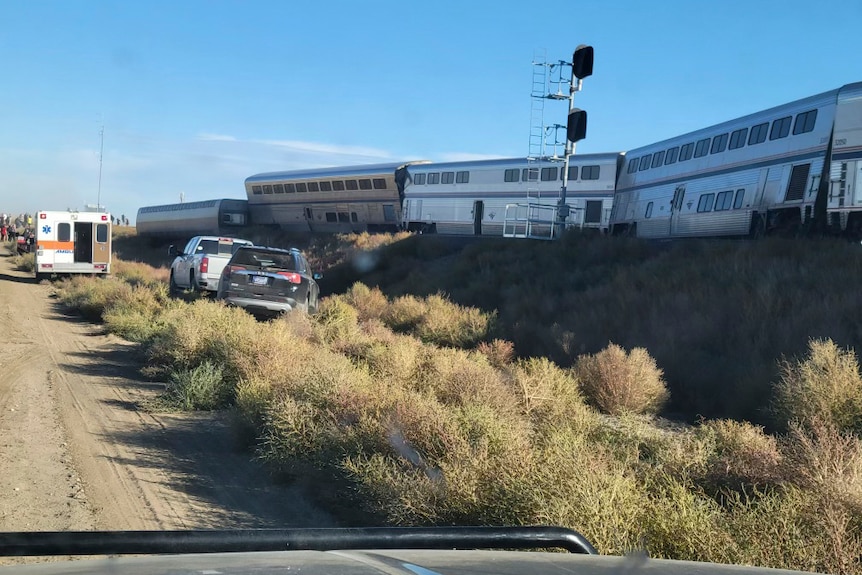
(798, 178)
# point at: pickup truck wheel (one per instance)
(192, 285)
(173, 288)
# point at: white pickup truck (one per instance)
(199, 265)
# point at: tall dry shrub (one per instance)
(827, 463)
(825, 387)
(618, 382)
(741, 455)
(369, 303)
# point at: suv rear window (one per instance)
(265, 259)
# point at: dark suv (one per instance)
(269, 281)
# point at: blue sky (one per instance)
(196, 95)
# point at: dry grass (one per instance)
(619, 382)
(825, 386)
(741, 456)
(424, 433)
(24, 262)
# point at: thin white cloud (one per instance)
(207, 137)
(329, 149)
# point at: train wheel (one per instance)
(758, 227)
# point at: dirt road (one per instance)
(77, 451)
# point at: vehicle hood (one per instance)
(371, 562)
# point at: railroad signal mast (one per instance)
(576, 124)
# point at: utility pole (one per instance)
(101, 150)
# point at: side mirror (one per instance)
(172, 251)
(317, 276)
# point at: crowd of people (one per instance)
(14, 227)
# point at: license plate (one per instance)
(259, 280)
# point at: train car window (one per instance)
(701, 148)
(351, 184)
(705, 203)
(353, 217)
(64, 232)
(633, 165)
(573, 173)
(289, 188)
(300, 188)
(313, 187)
(511, 176)
(365, 184)
(780, 128)
(343, 217)
(530, 174)
(804, 122)
(331, 217)
(379, 183)
(338, 185)
(685, 152)
(740, 196)
(671, 156)
(645, 162)
(434, 178)
(723, 201)
(256, 190)
(549, 174)
(388, 213)
(590, 172)
(278, 188)
(737, 138)
(462, 178)
(719, 144)
(325, 186)
(758, 134)
(267, 189)
(648, 213)
(419, 179)
(657, 159)
(447, 178)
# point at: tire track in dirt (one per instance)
(123, 467)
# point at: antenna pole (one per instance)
(101, 149)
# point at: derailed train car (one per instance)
(789, 169)
(342, 199)
(208, 217)
(471, 198)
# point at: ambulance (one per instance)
(72, 243)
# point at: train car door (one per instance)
(84, 242)
(675, 209)
(478, 208)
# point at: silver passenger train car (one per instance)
(471, 197)
(788, 169)
(342, 199)
(192, 218)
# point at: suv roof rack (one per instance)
(40, 543)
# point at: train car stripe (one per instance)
(846, 156)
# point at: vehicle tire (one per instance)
(40, 277)
(173, 288)
(192, 286)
